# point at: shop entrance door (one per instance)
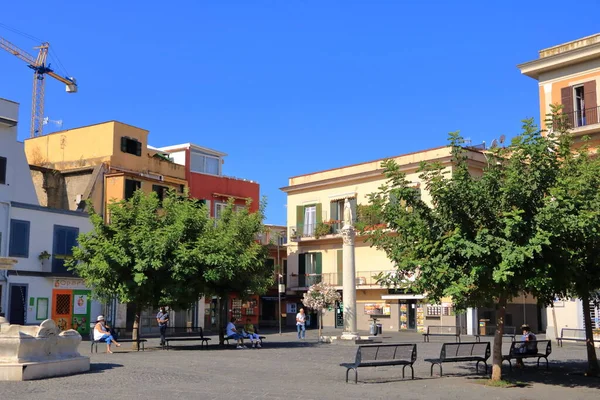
(62, 308)
(412, 314)
(18, 304)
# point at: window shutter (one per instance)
(319, 211)
(19, 239)
(333, 210)
(340, 268)
(566, 99)
(299, 219)
(591, 105)
(124, 144)
(318, 265)
(301, 269)
(138, 148)
(2, 170)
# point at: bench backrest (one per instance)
(386, 352)
(531, 347)
(465, 349)
(443, 330)
(490, 330)
(572, 333)
(185, 331)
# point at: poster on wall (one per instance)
(291, 308)
(80, 306)
(420, 318)
(403, 316)
(377, 309)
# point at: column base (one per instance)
(349, 336)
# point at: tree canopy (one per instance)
(479, 243)
(171, 252)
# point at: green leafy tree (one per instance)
(572, 216)
(146, 255)
(232, 258)
(479, 243)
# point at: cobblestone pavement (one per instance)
(286, 368)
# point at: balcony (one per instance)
(364, 279)
(582, 118)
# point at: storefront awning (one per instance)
(402, 296)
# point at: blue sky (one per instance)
(293, 86)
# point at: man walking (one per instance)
(163, 319)
(301, 324)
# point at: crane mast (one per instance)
(40, 70)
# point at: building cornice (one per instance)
(535, 68)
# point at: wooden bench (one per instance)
(462, 352)
(380, 355)
(436, 330)
(187, 335)
(530, 349)
(576, 335)
(490, 330)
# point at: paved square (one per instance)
(286, 368)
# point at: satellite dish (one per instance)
(502, 139)
(494, 144)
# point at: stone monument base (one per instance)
(43, 369)
(349, 336)
(356, 340)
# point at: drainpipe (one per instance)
(4, 273)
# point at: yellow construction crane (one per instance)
(40, 68)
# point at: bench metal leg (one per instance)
(355, 374)
(538, 362)
(458, 339)
(431, 370)
(559, 341)
(412, 371)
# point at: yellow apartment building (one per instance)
(569, 74)
(314, 252)
(104, 162)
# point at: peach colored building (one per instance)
(569, 74)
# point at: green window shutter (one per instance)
(340, 268)
(319, 211)
(302, 269)
(566, 99)
(318, 267)
(299, 219)
(124, 144)
(333, 210)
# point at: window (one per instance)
(2, 170)
(65, 238)
(310, 220)
(19, 238)
(580, 104)
(337, 211)
(284, 272)
(240, 208)
(131, 146)
(205, 164)
(161, 191)
(219, 208)
(310, 269)
(307, 218)
(130, 187)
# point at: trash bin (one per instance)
(483, 326)
(373, 329)
(379, 328)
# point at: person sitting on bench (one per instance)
(527, 348)
(248, 332)
(232, 333)
(102, 334)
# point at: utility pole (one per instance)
(279, 285)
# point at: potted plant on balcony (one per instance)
(322, 229)
(44, 257)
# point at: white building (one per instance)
(34, 243)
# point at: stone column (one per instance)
(349, 284)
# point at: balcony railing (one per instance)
(363, 278)
(324, 229)
(585, 117)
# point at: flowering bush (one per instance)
(320, 296)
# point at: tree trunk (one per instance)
(319, 322)
(497, 351)
(135, 334)
(593, 367)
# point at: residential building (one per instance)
(103, 163)
(35, 241)
(569, 74)
(204, 174)
(314, 251)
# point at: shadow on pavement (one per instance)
(101, 367)
(265, 347)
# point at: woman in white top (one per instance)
(101, 334)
